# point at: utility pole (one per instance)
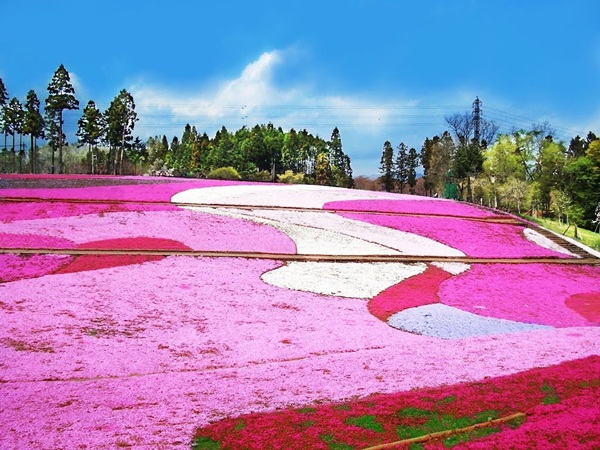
(477, 119)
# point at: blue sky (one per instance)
(377, 69)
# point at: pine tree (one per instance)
(340, 162)
(402, 166)
(34, 124)
(412, 164)
(13, 117)
(120, 122)
(90, 132)
(386, 166)
(3, 100)
(61, 96)
(54, 134)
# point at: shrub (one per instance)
(224, 173)
(290, 177)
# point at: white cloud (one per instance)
(256, 98)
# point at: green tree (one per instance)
(582, 181)
(61, 96)
(3, 99)
(468, 163)
(340, 162)
(323, 169)
(120, 122)
(34, 125)
(501, 160)
(439, 156)
(386, 166)
(412, 162)
(90, 132)
(54, 136)
(137, 154)
(13, 117)
(222, 150)
(273, 139)
(549, 169)
(401, 168)
(426, 153)
(290, 152)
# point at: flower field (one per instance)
(170, 313)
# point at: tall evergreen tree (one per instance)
(412, 162)
(425, 156)
(386, 166)
(3, 93)
(13, 123)
(336, 154)
(120, 122)
(54, 135)
(3, 100)
(401, 169)
(61, 96)
(34, 125)
(90, 131)
(340, 162)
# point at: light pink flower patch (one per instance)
(196, 230)
(159, 348)
(530, 293)
(16, 240)
(477, 239)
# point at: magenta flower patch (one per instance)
(531, 293)
(474, 238)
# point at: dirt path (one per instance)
(300, 257)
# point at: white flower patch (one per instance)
(453, 268)
(446, 322)
(543, 241)
(401, 241)
(355, 280)
(325, 233)
(298, 195)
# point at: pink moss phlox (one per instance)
(13, 240)
(571, 384)
(196, 230)
(94, 262)
(539, 290)
(160, 191)
(20, 267)
(416, 291)
(424, 206)
(134, 350)
(135, 243)
(476, 239)
(13, 211)
(586, 305)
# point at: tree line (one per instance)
(521, 171)
(113, 128)
(263, 152)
